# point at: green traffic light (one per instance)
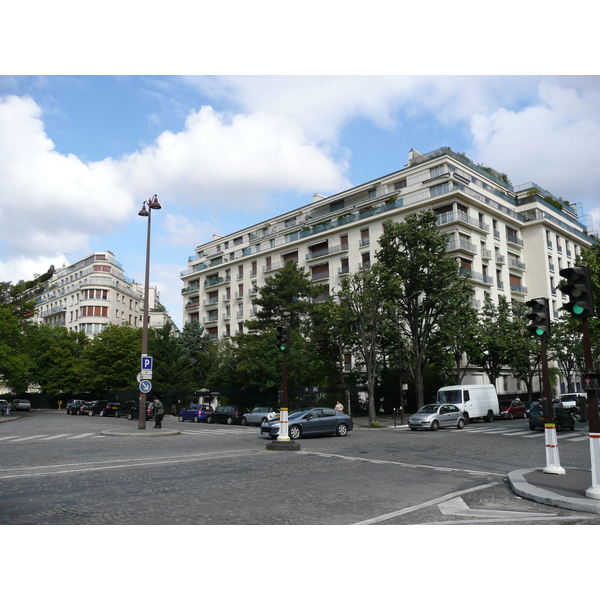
(577, 309)
(539, 331)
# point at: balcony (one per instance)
(474, 276)
(327, 251)
(459, 216)
(513, 239)
(457, 245)
(319, 276)
(486, 254)
(518, 289)
(500, 259)
(516, 264)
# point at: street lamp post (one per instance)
(146, 211)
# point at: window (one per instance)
(437, 171)
(438, 190)
(400, 184)
(372, 194)
(336, 205)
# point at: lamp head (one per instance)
(143, 212)
(153, 202)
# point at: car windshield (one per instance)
(429, 408)
(505, 404)
(449, 397)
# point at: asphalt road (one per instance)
(60, 469)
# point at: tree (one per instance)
(112, 359)
(566, 348)
(423, 283)
(15, 361)
(496, 340)
(57, 356)
(358, 311)
(197, 349)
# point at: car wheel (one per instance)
(117, 415)
(342, 430)
(460, 423)
(466, 418)
(510, 416)
(532, 427)
(435, 426)
(558, 428)
(413, 428)
(91, 413)
(129, 417)
(196, 419)
(273, 437)
(180, 418)
(209, 419)
(263, 420)
(295, 432)
(244, 421)
(229, 420)
(572, 428)
(102, 413)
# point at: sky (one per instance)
(84, 144)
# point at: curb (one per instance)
(141, 433)
(520, 486)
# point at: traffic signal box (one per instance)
(540, 317)
(283, 338)
(578, 286)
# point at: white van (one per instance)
(476, 401)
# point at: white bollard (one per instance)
(552, 458)
(594, 490)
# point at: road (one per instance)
(61, 469)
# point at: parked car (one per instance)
(104, 408)
(311, 421)
(21, 404)
(434, 416)
(227, 414)
(131, 410)
(509, 409)
(195, 412)
(562, 418)
(73, 406)
(125, 407)
(259, 414)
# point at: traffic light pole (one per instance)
(593, 417)
(283, 413)
(552, 456)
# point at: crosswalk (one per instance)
(210, 431)
(577, 436)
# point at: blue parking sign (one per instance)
(146, 363)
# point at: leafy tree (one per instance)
(359, 312)
(57, 355)
(198, 351)
(112, 359)
(497, 337)
(15, 361)
(423, 283)
(286, 297)
(566, 348)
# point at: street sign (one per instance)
(146, 363)
(145, 386)
(591, 381)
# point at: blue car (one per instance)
(195, 412)
(311, 421)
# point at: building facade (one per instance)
(509, 241)
(93, 292)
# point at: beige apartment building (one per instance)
(93, 292)
(509, 240)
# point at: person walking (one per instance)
(8, 408)
(2, 406)
(159, 413)
(339, 406)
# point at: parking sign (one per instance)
(146, 363)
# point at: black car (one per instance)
(227, 414)
(104, 408)
(73, 406)
(562, 418)
(125, 407)
(131, 410)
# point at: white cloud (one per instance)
(555, 141)
(237, 161)
(179, 230)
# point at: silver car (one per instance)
(260, 415)
(434, 416)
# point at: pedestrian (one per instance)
(339, 406)
(2, 407)
(159, 413)
(8, 408)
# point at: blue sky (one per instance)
(80, 153)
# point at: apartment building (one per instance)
(93, 292)
(509, 241)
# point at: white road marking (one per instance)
(31, 437)
(410, 509)
(82, 435)
(457, 506)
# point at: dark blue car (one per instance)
(195, 412)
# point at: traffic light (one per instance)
(540, 317)
(283, 338)
(578, 286)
